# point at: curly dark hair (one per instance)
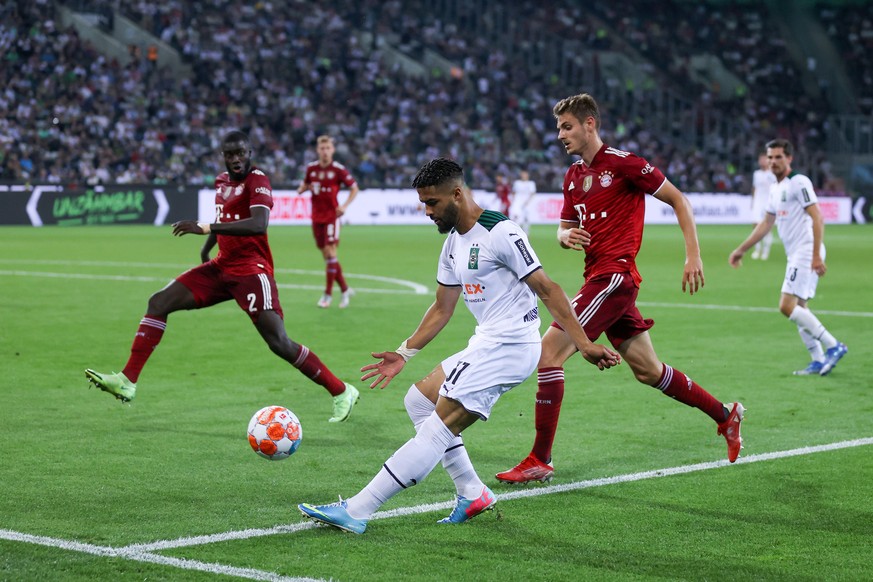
(438, 171)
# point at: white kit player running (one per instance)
(762, 179)
(793, 208)
(487, 259)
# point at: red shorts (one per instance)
(210, 285)
(326, 233)
(608, 304)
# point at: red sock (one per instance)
(341, 281)
(550, 394)
(311, 367)
(148, 336)
(677, 385)
(330, 271)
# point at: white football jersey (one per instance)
(761, 182)
(523, 188)
(488, 263)
(788, 201)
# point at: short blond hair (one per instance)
(324, 138)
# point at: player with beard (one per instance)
(486, 259)
(242, 270)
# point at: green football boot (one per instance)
(343, 403)
(116, 384)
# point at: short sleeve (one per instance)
(446, 268)
(802, 189)
(642, 174)
(260, 191)
(347, 178)
(512, 248)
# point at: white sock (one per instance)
(407, 467)
(766, 243)
(456, 461)
(813, 346)
(806, 320)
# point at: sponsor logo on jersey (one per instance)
(263, 190)
(473, 289)
(586, 183)
(525, 254)
(532, 315)
(606, 179)
(805, 194)
(258, 172)
(473, 261)
(572, 186)
(648, 169)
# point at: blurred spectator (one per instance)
(68, 114)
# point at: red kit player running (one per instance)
(242, 270)
(324, 178)
(603, 213)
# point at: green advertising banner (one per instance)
(98, 205)
(51, 204)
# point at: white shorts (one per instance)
(800, 280)
(477, 376)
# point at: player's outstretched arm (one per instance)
(556, 302)
(389, 365)
(435, 319)
(255, 224)
(692, 273)
(735, 259)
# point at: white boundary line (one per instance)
(747, 308)
(414, 288)
(536, 492)
(138, 556)
(143, 552)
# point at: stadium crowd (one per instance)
(851, 27)
(287, 72)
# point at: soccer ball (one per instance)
(275, 433)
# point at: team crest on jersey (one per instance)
(606, 179)
(586, 183)
(330, 175)
(473, 261)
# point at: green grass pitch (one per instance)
(96, 490)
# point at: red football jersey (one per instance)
(503, 191)
(607, 199)
(242, 255)
(325, 184)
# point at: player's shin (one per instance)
(407, 467)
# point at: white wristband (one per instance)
(405, 352)
(205, 227)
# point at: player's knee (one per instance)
(418, 406)
(159, 304)
(648, 376)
